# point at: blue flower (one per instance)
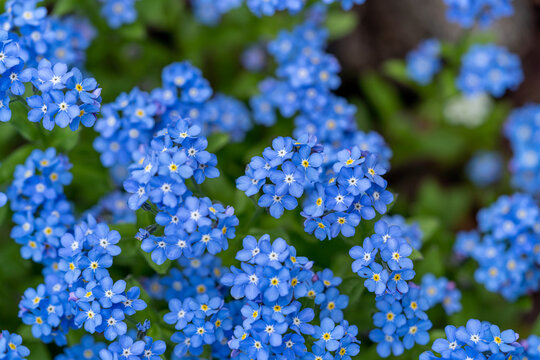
(424, 62)
(89, 315)
(446, 347)
(501, 341)
(415, 331)
(376, 278)
(288, 180)
(276, 202)
(395, 254)
(390, 317)
(386, 343)
(489, 68)
(328, 334)
(363, 255)
(64, 107)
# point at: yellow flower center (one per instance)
(331, 305)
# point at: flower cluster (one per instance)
(41, 212)
(410, 232)
(118, 12)
(11, 347)
(128, 124)
(113, 209)
(523, 129)
(29, 36)
(467, 13)
(306, 77)
(383, 260)
(64, 97)
(441, 291)
(505, 246)
(78, 290)
(400, 323)
(40, 36)
(485, 168)
(209, 12)
(196, 276)
(271, 282)
(86, 349)
(476, 340)
(130, 347)
(489, 69)
(531, 347)
(402, 320)
(339, 194)
(192, 225)
(424, 61)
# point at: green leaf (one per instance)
(536, 327)
(217, 141)
(63, 140)
(340, 23)
(429, 225)
(15, 158)
(63, 7)
(416, 255)
(19, 120)
(397, 70)
(160, 269)
(381, 94)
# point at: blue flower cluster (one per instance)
(272, 285)
(29, 36)
(531, 347)
(128, 124)
(476, 340)
(78, 291)
(87, 349)
(118, 12)
(383, 260)
(485, 168)
(306, 76)
(41, 212)
(489, 69)
(44, 37)
(192, 225)
(402, 320)
(209, 12)
(424, 61)
(65, 98)
(113, 209)
(467, 13)
(11, 347)
(441, 291)
(401, 323)
(410, 232)
(132, 348)
(196, 276)
(506, 246)
(339, 195)
(523, 129)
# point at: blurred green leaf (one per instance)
(17, 157)
(340, 23)
(217, 141)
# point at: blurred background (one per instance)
(431, 137)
